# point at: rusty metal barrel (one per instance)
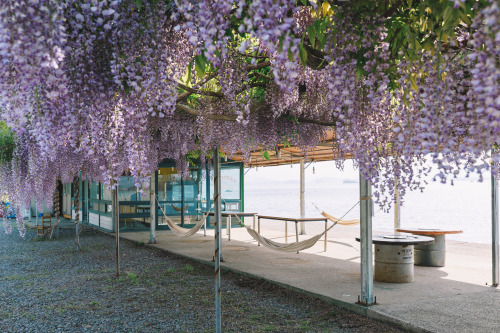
(431, 254)
(394, 257)
(393, 263)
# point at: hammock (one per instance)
(185, 232)
(292, 247)
(180, 231)
(296, 246)
(334, 219)
(178, 209)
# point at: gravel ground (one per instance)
(48, 286)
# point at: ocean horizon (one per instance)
(466, 205)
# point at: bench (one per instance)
(46, 225)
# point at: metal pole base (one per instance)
(364, 303)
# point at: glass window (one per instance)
(94, 190)
(167, 178)
(106, 193)
(230, 183)
(127, 191)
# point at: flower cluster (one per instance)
(106, 88)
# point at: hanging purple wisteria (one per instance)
(112, 87)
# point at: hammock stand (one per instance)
(180, 231)
(333, 218)
(296, 246)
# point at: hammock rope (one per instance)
(180, 231)
(178, 209)
(295, 246)
(333, 218)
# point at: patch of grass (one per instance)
(29, 315)
(269, 328)
(94, 303)
(305, 325)
(4, 315)
(187, 268)
(171, 270)
(141, 243)
(132, 277)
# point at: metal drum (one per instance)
(432, 254)
(393, 263)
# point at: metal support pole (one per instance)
(116, 222)
(366, 241)
(218, 243)
(302, 196)
(207, 194)
(153, 210)
(182, 200)
(494, 231)
(397, 208)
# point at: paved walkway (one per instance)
(455, 298)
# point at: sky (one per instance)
(285, 173)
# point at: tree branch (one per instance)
(393, 9)
(188, 93)
(200, 92)
(259, 66)
(258, 107)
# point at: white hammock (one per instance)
(292, 247)
(180, 231)
(178, 209)
(334, 219)
(297, 246)
(185, 232)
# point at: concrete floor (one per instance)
(455, 298)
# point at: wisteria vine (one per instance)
(107, 88)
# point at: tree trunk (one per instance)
(57, 212)
(77, 213)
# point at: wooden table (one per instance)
(433, 254)
(394, 257)
(237, 214)
(296, 220)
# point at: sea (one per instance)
(466, 205)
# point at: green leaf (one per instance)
(317, 27)
(199, 63)
(190, 68)
(139, 4)
(266, 155)
(302, 55)
(413, 81)
(312, 35)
